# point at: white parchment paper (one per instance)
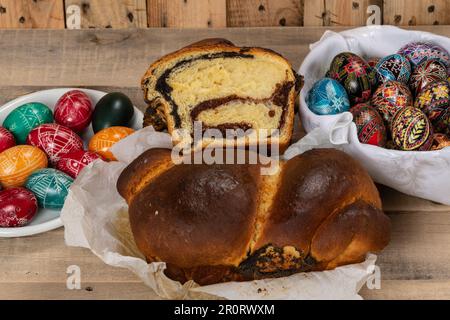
(95, 217)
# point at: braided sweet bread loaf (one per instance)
(217, 223)
(222, 87)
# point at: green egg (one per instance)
(114, 109)
(25, 118)
(50, 186)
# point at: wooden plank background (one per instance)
(120, 14)
(414, 265)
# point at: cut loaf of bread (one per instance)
(222, 87)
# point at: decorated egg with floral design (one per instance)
(390, 97)
(50, 187)
(418, 52)
(103, 140)
(55, 140)
(411, 130)
(328, 97)
(17, 207)
(434, 100)
(18, 162)
(354, 74)
(394, 67)
(427, 72)
(370, 125)
(74, 110)
(72, 163)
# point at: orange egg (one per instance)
(18, 162)
(103, 140)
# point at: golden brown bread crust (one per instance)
(207, 222)
(156, 113)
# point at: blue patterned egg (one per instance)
(25, 118)
(418, 52)
(50, 187)
(328, 97)
(394, 67)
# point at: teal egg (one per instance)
(25, 118)
(50, 186)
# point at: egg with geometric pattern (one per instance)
(25, 118)
(328, 97)
(434, 100)
(411, 130)
(426, 73)
(6, 139)
(394, 67)
(55, 140)
(50, 186)
(74, 110)
(354, 74)
(103, 140)
(370, 125)
(418, 52)
(390, 97)
(18, 162)
(72, 163)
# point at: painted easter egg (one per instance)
(74, 110)
(434, 100)
(373, 61)
(113, 109)
(440, 141)
(427, 72)
(18, 206)
(411, 130)
(327, 97)
(103, 140)
(418, 52)
(394, 67)
(72, 163)
(18, 162)
(25, 118)
(370, 125)
(6, 139)
(55, 140)
(354, 74)
(50, 186)
(390, 97)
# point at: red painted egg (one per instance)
(72, 163)
(370, 125)
(6, 139)
(389, 98)
(74, 110)
(55, 140)
(17, 207)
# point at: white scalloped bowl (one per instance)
(421, 174)
(45, 219)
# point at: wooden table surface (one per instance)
(415, 265)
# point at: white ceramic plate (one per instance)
(46, 219)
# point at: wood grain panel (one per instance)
(117, 14)
(26, 14)
(264, 13)
(417, 12)
(187, 13)
(338, 12)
